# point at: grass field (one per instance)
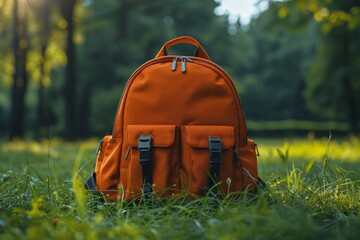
(313, 193)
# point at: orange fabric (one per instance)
(165, 168)
(162, 135)
(180, 110)
(197, 136)
(195, 156)
(107, 175)
(246, 167)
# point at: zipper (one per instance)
(127, 152)
(256, 150)
(99, 147)
(173, 65)
(236, 156)
(183, 63)
(238, 161)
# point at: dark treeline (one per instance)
(64, 63)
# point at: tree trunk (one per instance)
(352, 113)
(69, 89)
(20, 77)
(41, 107)
(299, 111)
(84, 110)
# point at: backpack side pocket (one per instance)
(245, 168)
(107, 166)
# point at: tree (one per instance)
(43, 110)
(273, 81)
(67, 8)
(20, 76)
(6, 63)
(333, 78)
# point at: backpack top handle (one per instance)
(200, 51)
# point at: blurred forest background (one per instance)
(64, 63)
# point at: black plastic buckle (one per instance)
(215, 147)
(144, 147)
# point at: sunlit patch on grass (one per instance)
(32, 147)
(53, 148)
(299, 149)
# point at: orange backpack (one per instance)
(179, 127)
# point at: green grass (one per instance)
(291, 124)
(313, 193)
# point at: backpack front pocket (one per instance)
(206, 157)
(153, 160)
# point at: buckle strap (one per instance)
(215, 148)
(144, 147)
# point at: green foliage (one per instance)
(42, 196)
(326, 77)
(332, 86)
(275, 78)
(329, 13)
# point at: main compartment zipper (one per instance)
(183, 63)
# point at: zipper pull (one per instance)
(173, 66)
(183, 63)
(183, 67)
